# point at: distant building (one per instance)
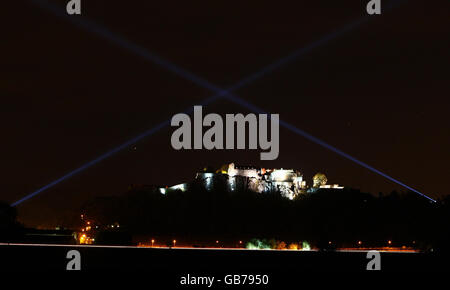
(320, 182)
(288, 182)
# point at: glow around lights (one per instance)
(280, 175)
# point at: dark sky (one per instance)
(379, 93)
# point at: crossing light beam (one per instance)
(219, 93)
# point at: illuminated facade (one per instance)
(288, 182)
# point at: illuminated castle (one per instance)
(288, 182)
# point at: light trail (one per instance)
(343, 250)
(220, 93)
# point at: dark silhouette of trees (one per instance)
(342, 217)
(10, 229)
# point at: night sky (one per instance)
(379, 92)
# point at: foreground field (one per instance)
(42, 257)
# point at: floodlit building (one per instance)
(320, 182)
(288, 182)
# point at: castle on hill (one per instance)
(288, 182)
